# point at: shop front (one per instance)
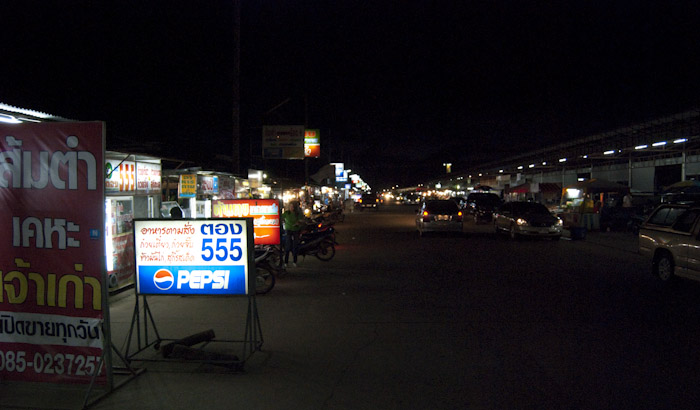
(132, 190)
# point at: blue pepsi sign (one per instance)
(193, 257)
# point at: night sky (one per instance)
(396, 87)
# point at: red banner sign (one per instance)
(265, 214)
(51, 256)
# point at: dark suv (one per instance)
(482, 205)
(368, 201)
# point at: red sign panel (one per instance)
(265, 214)
(51, 256)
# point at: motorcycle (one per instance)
(267, 262)
(318, 241)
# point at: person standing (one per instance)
(293, 220)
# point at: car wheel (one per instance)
(663, 266)
(513, 233)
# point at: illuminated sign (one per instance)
(120, 176)
(265, 214)
(312, 143)
(189, 257)
(147, 176)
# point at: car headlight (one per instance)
(559, 222)
(521, 222)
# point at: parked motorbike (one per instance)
(318, 241)
(266, 263)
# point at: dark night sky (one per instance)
(396, 87)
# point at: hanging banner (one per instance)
(52, 252)
(193, 257)
(265, 214)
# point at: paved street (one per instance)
(443, 322)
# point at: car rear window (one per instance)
(442, 207)
(666, 216)
(486, 199)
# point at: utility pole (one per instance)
(236, 135)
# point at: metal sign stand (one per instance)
(143, 323)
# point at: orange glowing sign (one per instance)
(265, 214)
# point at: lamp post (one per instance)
(448, 167)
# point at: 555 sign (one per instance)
(194, 257)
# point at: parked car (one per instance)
(482, 205)
(520, 218)
(439, 215)
(368, 201)
(669, 239)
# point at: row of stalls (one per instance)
(137, 186)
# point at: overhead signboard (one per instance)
(187, 188)
(312, 143)
(283, 141)
(148, 176)
(53, 293)
(265, 214)
(193, 257)
(120, 176)
(209, 184)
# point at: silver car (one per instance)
(520, 218)
(670, 239)
(439, 215)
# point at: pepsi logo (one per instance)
(163, 279)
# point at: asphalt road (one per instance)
(470, 321)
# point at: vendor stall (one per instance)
(583, 203)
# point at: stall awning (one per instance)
(549, 188)
(520, 189)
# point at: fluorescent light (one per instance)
(9, 119)
(500, 170)
(658, 144)
(584, 156)
(520, 167)
(531, 166)
(679, 140)
(562, 159)
(609, 152)
(581, 179)
(544, 163)
(645, 146)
